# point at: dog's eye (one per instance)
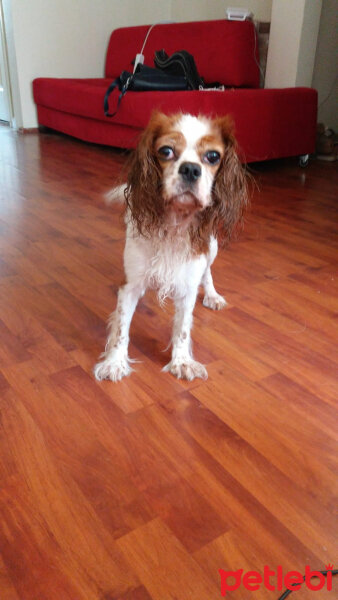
(212, 157)
(166, 152)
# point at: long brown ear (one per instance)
(230, 190)
(143, 193)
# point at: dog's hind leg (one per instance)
(211, 299)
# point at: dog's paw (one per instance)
(215, 302)
(113, 369)
(186, 369)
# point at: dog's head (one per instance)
(186, 171)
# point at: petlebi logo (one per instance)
(275, 580)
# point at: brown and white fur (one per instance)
(185, 186)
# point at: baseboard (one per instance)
(25, 130)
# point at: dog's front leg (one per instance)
(116, 361)
(182, 363)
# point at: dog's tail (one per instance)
(116, 194)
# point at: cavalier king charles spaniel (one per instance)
(185, 187)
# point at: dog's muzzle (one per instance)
(190, 172)
(186, 202)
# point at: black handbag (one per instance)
(145, 79)
(179, 63)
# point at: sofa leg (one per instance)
(44, 129)
(304, 160)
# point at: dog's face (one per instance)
(189, 153)
(184, 170)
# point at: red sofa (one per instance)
(270, 123)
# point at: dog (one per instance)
(185, 187)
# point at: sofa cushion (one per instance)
(224, 50)
(268, 122)
(270, 119)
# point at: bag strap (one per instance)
(123, 91)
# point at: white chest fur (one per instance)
(164, 262)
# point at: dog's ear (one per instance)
(143, 194)
(230, 192)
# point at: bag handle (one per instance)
(116, 83)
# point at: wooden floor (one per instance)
(144, 489)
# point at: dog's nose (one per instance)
(190, 171)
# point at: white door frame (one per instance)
(5, 78)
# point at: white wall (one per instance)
(14, 91)
(67, 38)
(308, 42)
(292, 44)
(325, 78)
(5, 109)
(198, 10)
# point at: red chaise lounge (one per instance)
(270, 123)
